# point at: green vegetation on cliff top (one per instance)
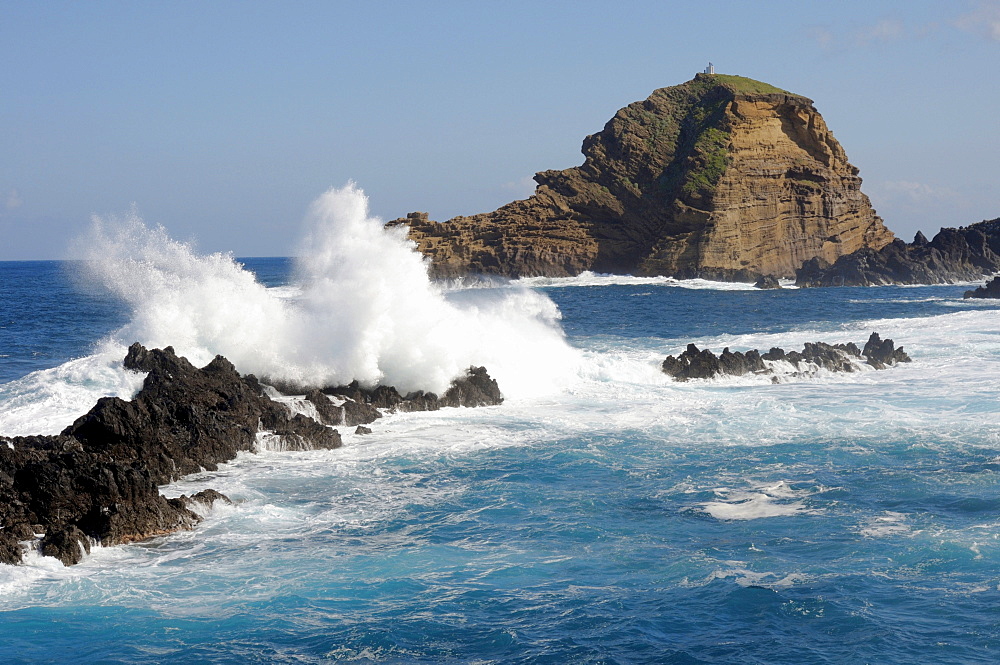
(746, 86)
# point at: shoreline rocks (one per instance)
(954, 255)
(990, 290)
(695, 363)
(98, 480)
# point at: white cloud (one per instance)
(983, 21)
(14, 200)
(823, 36)
(915, 192)
(522, 188)
(886, 30)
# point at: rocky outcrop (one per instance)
(721, 177)
(695, 363)
(990, 290)
(357, 405)
(767, 282)
(954, 255)
(97, 481)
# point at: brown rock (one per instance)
(720, 177)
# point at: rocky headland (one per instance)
(97, 481)
(695, 363)
(954, 255)
(722, 177)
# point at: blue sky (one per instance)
(222, 121)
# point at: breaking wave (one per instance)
(367, 309)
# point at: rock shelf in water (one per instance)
(98, 480)
(695, 363)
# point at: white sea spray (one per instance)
(365, 309)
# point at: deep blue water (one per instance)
(848, 519)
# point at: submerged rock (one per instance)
(695, 363)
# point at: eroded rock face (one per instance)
(695, 363)
(721, 177)
(954, 255)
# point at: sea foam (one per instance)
(366, 308)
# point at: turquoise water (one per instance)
(613, 518)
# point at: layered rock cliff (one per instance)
(720, 177)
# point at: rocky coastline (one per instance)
(98, 480)
(695, 363)
(961, 254)
(990, 290)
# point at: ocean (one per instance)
(602, 514)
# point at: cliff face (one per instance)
(719, 177)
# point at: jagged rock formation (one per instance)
(990, 290)
(360, 406)
(695, 363)
(720, 177)
(98, 479)
(954, 255)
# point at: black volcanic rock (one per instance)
(98, 480)
(696, 363)
(186, 419)
(329, 413)
(767, 282)
(990, 290)
(879, 353)
(476, 388)
(68, 544)
(954, 255)
(362, 405)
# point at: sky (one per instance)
(222, 121)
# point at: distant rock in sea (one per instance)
(695, 363)
(990, 290)
(954, 255)
(722, 177)
(98, 479)
(767, 282)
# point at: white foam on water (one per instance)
(888, 523)
(363, 308)
(46, 401)
(588, 278)
(777, 500)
